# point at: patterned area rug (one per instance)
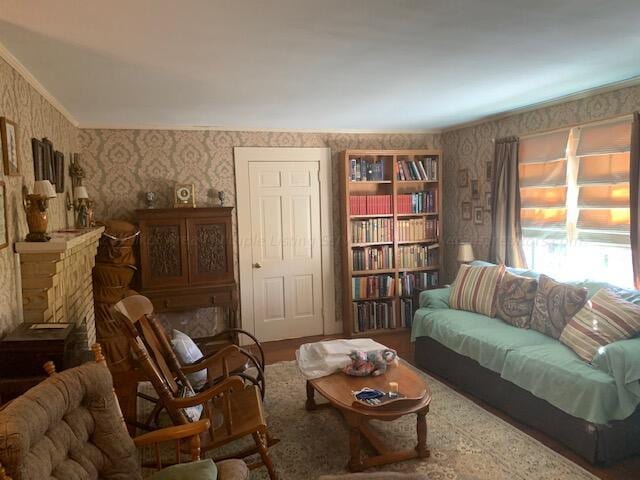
(466, 441)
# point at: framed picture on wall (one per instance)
(38, 159)
(488, 171)
(463, 178)
(466, 210)
(9, 136)
(478, 215)
(475, 189)
(58, 168)
(4, 232)
(488, 201)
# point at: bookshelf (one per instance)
(392, 226)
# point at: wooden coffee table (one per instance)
(337, 390)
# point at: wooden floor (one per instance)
(626, 470)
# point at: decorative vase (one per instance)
(36, 208)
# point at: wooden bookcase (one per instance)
(391, 211)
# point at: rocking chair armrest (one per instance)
(229, 384)
(177, 432)
(208, 361)
(212, 338)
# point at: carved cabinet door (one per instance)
(210, 250)
(163, 252)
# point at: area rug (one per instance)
(466, 441)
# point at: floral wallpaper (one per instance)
(470, 148)
(123, 164)
(35, 117)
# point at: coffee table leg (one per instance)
(355, 461)
(311, 402)
(421, 427)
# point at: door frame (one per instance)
(243, 156)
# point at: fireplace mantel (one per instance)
(56, 279)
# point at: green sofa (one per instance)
(592, 408)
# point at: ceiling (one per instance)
(321, 65)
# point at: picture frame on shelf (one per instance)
(184, 196)
(488, 201)
(466, 210)
(4, 229)
(475, 189)
(478, 215)
(488, 171)
(463, 178)
(10, 149)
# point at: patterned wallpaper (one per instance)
(472, 147)
(123, 164)
(35, 117)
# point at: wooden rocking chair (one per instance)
(240, 405)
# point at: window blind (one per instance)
(543, 184)
(603, 183)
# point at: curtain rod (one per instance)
(568, 127)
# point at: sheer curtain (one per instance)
(634, 197)
(506, 234)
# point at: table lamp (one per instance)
(465, 253)
(36, 205)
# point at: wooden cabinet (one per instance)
(186, 258)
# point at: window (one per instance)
(574, 188)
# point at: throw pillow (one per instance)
(514, 300)
(474, 289)
(605, 319)
(200, 470)
(194, 413)
(188, 352)
(554, 305)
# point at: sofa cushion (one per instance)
(486, 340)
(514, 299)
(554, 305)
(551, 371)
(605, 319)
(474, 289)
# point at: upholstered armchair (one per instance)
(70, 426)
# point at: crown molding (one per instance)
(218, 128)
(8, 57)
(609, 87)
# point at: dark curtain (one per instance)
(506, 233)
(634, 197)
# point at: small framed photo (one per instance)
(478, 215)
(463, 178)
(488, 201)
(466, 210)
(488, 171)
(475, 190)
(9, 136)
(4, 231)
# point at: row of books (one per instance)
(419, 202)
(372, 230)
(417, 229)
(414, 256)
(370, 204)
(366, 169)
(410, 283)
(425, 168)
(373, 315)
(406, 312)
(373, 258)
(372, 287)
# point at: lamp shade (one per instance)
(465, 253)
(80, 192)
(44, 188)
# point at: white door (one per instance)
(286, 249)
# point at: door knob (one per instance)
(257, 265)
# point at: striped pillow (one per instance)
(474, 289)
(605, 319)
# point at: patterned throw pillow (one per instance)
(474, 289)
(554, 305)
(605, 319)
(514, 300)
